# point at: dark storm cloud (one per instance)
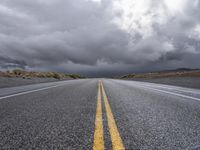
(7, 62)
(80, 36)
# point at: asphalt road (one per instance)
(99, 114)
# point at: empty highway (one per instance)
(100, 114)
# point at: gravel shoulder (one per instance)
(15, 81)
(190, 82)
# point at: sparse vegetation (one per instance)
(163, 74)
(25, 74)
(18, 72)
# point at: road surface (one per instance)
(99, 114)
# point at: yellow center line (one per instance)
(98, 133)
(117, 143)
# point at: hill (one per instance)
(180, 72)
(25, 74)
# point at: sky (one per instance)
(99, 38)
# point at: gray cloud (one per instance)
(82, 37)
(7, 62)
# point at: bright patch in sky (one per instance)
(133, 15)
(98, 1)
(175, 5)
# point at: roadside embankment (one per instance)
(19, 77)
(190, 79)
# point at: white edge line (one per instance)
(176, 94)
(170, 87)
(173, 88)
(26, 92)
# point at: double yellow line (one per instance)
(116, 140)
